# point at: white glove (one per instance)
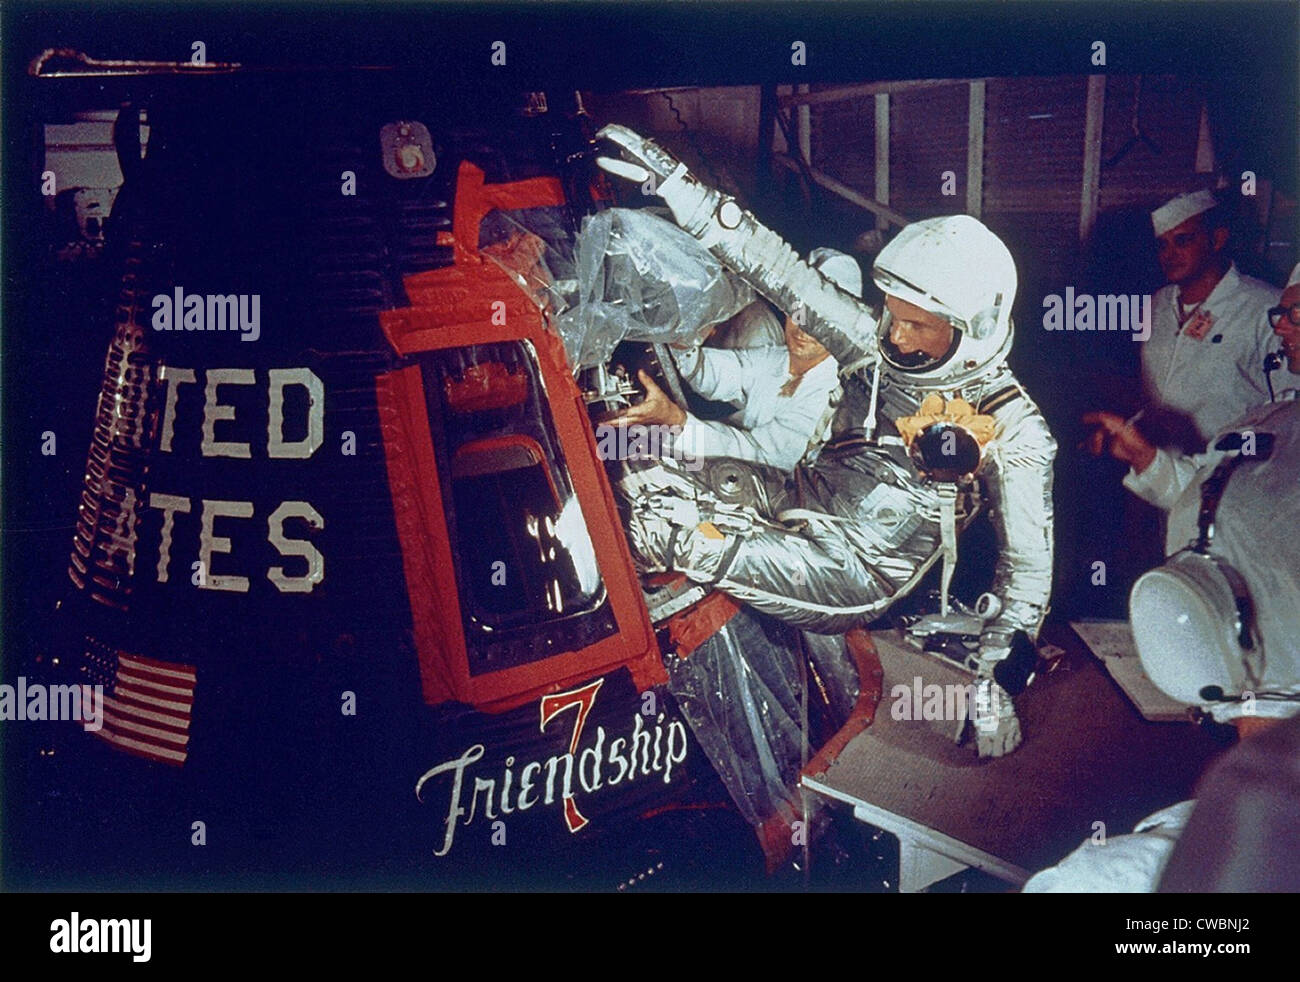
(691, 202)
(996, 726)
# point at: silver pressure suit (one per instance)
(833, 547)
(880, 521)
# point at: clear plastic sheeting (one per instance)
(835, 670)
(641, 278)
(741, 691)
(536, 247)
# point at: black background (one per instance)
(1249, 49)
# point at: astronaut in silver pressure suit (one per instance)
(834, 548)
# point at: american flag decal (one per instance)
(147, 705)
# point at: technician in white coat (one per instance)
(1210, 331)
(1196, 658)
(1193, 655)
(1263, 500)
(1254, 533)
(786, 394)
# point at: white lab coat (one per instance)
(769, 428)
(1255, 529)
(1119, 864)
(1212, 381)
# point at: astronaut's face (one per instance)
(914, 330)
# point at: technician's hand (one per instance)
(1116, 436)
(656, 410)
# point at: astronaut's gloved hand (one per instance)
(997, 727)
(643, 157)
(691, 202)
(992, 715)
(659, 503)
(670, 524)
(838, 319)
(995, 724)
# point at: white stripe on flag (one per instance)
(148, 749)
(136, 665)
(126, 724)
(122, 707)
(133, 680)
(180, 707)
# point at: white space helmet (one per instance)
(1192, 628)
(954, 267)
(1218, 624)
(838, 267)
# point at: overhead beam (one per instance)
(840, 93)
(846, 192)
(882, 147)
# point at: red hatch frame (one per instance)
(462, 305)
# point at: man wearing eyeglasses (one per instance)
(1203, 365)
(1285, 321)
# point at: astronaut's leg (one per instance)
(663, 505)
(827, 574)
(825, 577)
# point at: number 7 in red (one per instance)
(551, 707)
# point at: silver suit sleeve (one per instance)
(842, 323)
(1019, 492)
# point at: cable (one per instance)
(672, 107)
(804, 754)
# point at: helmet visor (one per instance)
(913, 361)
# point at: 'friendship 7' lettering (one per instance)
(646, 751)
